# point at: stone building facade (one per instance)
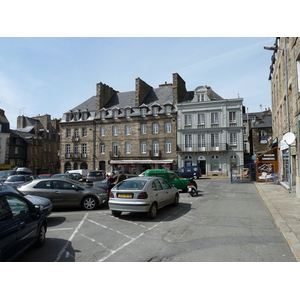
(131, 131)
(285, 87)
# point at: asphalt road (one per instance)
(225, 223)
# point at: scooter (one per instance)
(192, 187)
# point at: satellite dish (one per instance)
(289, 138)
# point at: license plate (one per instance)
(124, 195)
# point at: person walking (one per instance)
(110, 182)
(120, 177)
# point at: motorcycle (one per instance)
(192, 187)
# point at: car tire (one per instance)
(176, 200)
(89, 203)
(116, 213)
(41, 236)
(152, 211)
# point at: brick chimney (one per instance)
(141, 91)
(179, 89)
(103, 94)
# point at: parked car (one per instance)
(16, 180)
(190, 171)
(169, 176)
(22, 225)
(44, 203)
(97, 175)
(142, 194)
(103, 184)
(5, 174)
(66, 193)
(41, 176)
(82, 172)
(73, 176)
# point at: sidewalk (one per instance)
(285, 209)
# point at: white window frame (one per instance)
(188, 141)
(168, 127)
(168, 147)
(143, 147)
(115, 130)
(233, 138)
(155, 148)
(143, 128)
(127, 147)
(155, 128)
(102, 131)
(187, 120)
(102, 148)
(232, 117)
(127, 129)
(214, 117)
(201, 119)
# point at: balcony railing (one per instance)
(206, 147)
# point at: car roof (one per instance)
(143, 178)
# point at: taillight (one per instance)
(142, 195)
(111, 195)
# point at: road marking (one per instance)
(70, 239)
(60, 229)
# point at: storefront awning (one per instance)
(146, 161)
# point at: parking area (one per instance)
(85, 236)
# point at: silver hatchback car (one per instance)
(142, 194)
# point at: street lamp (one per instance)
(274, 48)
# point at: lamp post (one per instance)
(274, 48)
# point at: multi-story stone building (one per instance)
(35, 144)
(285, 87)
(131, 131)
(257, 134)
(210, 131)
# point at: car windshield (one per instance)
(16, 178)
(131, 185)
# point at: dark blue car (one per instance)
(22, 225)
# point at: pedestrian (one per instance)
(120, 177)
(110, 182)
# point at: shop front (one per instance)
(139, 166)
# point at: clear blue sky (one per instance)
(52, 75)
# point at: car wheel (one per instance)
(176, 200)
(41, 236)
(89, 203)
(116, 213)
(152, 211)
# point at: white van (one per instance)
(82, 172)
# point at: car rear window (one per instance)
(131, 185)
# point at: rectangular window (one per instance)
(168, 110)
(155, 148)
(143, 128)
(201, 119)
(68, 132)
(76, 150)
(233, 138)
(155, 128)
(127, 147)
(232, 117)
(168, 147)
(115, 149)
(201, 141)
(188, 142)
(187, 120)
(143, 148)
(102, 131)
(155, 110)
(143, 111)
(83, 149)
(84, 132)
(115, 130)
(214, 137)
(68, 150)
(167, 127)
(127, 129)
(214, 118)
(102, 148)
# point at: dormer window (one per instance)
(143, 111)
(127, 112)
(168, 109)
(68, 117)
(115, 113)
(103, 114)
(155, 110)
(201, 97)
(85, 115)
(76, 116)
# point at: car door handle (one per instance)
(22, 225)
(57, 192)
